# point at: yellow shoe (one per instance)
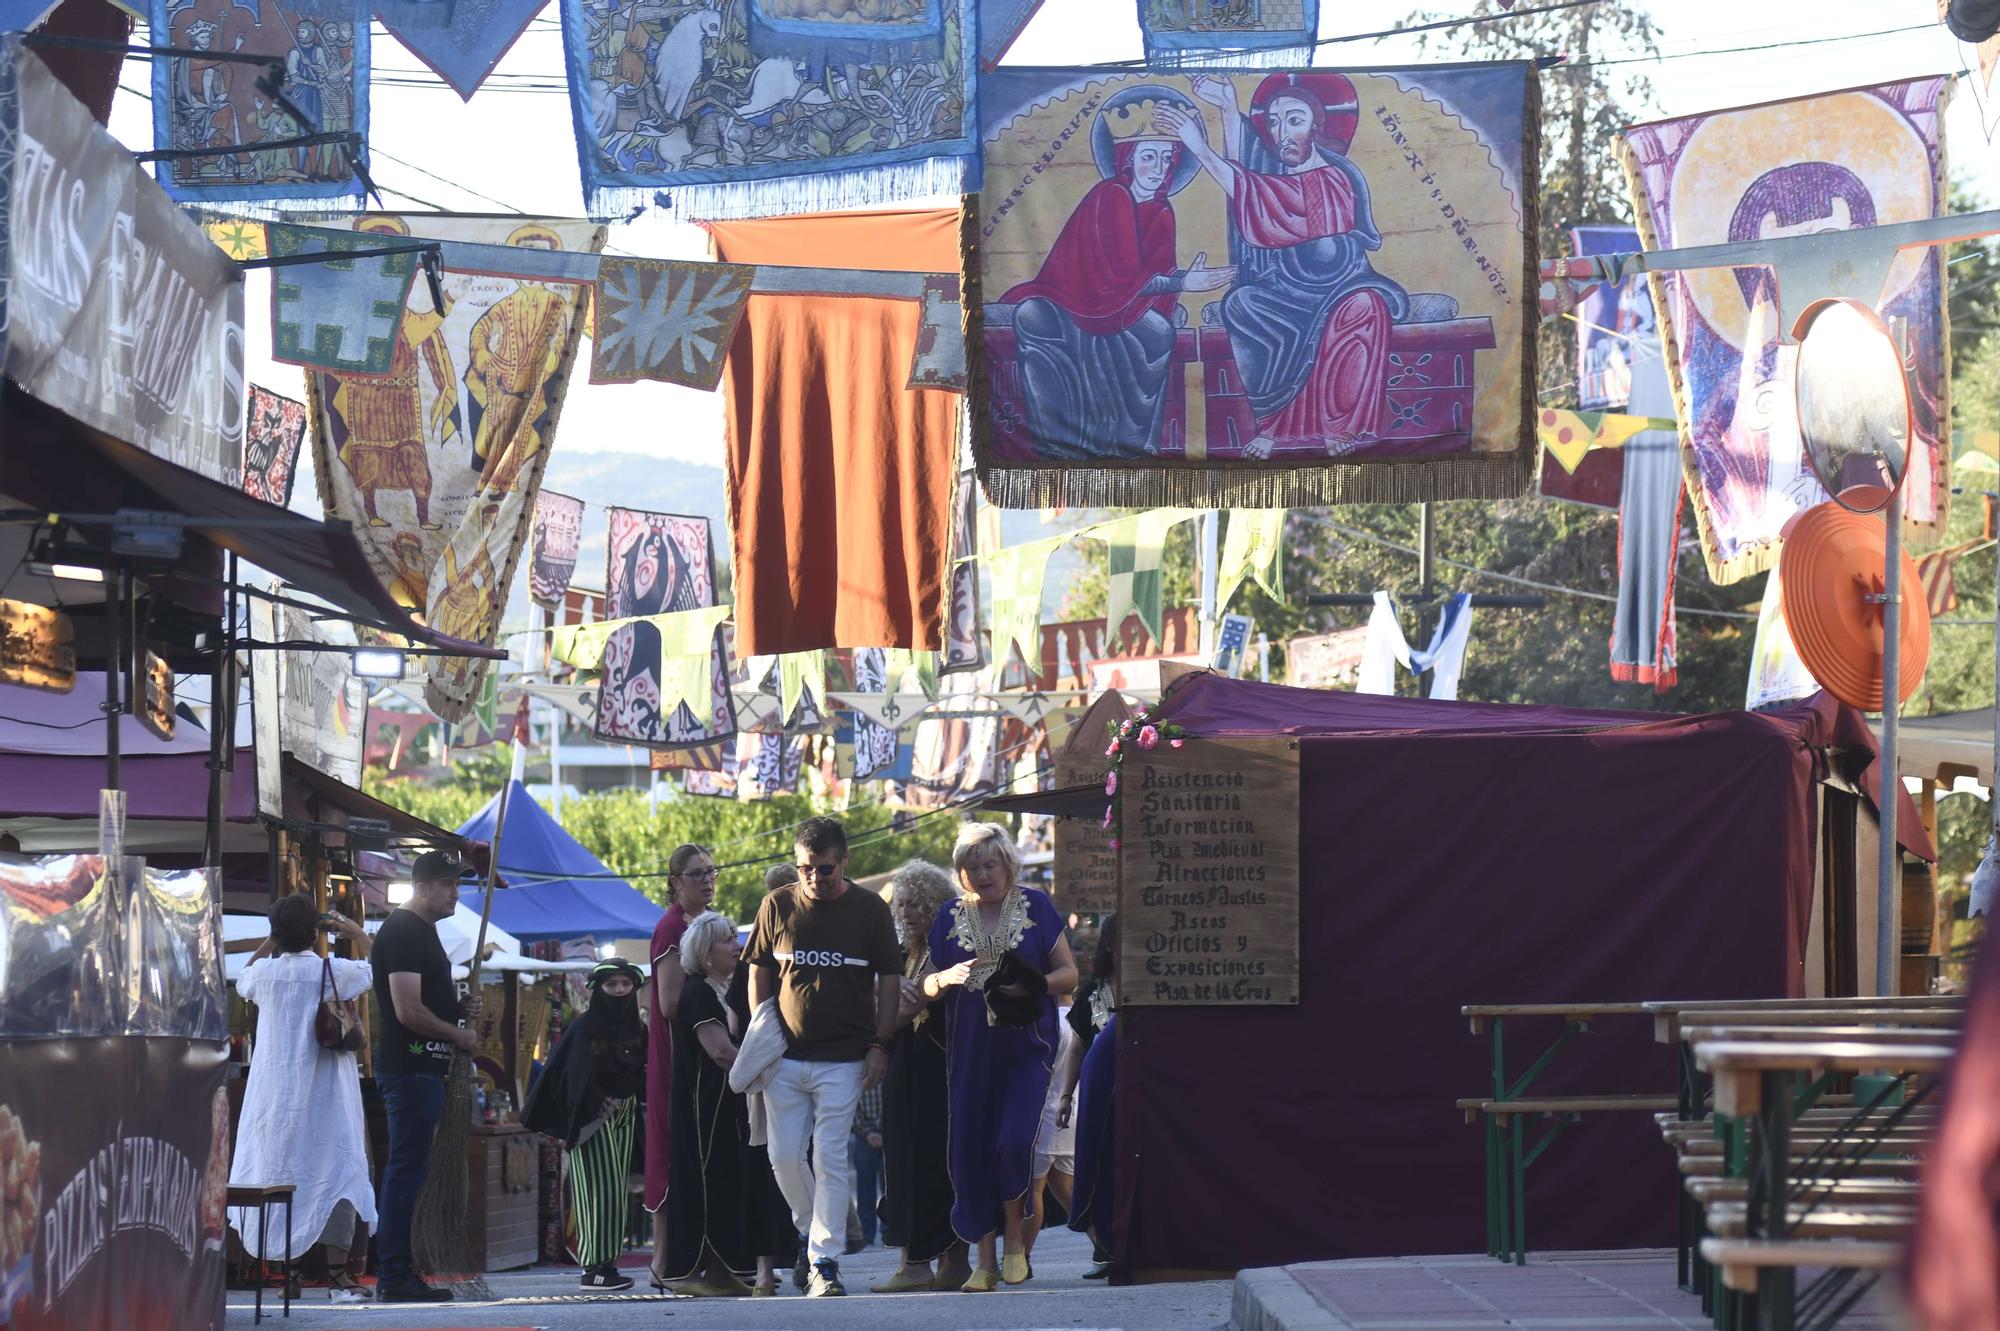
(1014, 1268)
(981, 1281)
(764, 1292)
(902, 1283)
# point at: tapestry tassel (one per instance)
(898, 182)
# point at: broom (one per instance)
(441, 1226)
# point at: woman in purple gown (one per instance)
(1000, 959)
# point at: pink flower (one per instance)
(1111, 783)
(1148, 737)
(1114, 843)
(1107, 817)
(1112, 752)
(1176, 743)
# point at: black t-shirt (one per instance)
(408, 942)
(828, 955)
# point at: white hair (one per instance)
(976, 837)
(703, 932)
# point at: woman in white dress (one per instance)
(301, 1120)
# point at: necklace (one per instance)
(987, 946)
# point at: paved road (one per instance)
(1058, 1299)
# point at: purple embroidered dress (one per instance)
(998, 1075)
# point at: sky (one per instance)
(511, 147)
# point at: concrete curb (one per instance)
(1269, 1298)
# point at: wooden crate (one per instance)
(504, 1201)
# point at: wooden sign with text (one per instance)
(1086, 868)
(1209, 874)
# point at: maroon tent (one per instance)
(1457, 853)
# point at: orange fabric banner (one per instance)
(840, 478)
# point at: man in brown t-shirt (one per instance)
(827, 950)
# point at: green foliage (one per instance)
(634, 839)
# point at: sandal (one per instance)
(346, 1289)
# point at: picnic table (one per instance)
(1755, 1079)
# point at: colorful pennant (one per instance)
(343, 315)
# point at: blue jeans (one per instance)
(414, 1101)
(867, 1161)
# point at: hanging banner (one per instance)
(658, 564)
(667, 320)
(120, 312)
(114, 1159)
(1777, 675)
(461, 40)
(1255, 290)
(964, 649)
(1001, 23)
(1615, 330)
(765, 107)
(275, 428)
(1071, 648)
(1840, 161)
(553, 545)
(954, 758)
(435, 464)
(322, 707)
(200, 105)
(874, 745)
(1198, 31)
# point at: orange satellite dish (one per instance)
(1831, 564)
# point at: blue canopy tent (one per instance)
(561, 890)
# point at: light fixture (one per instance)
(378, 663)
(67, 572)
(606, 951)
(400, 893)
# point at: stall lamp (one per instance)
(68, 572)
(606, 951)
(400, 893)
(378, 663)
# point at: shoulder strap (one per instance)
(326, 977)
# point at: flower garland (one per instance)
(1138, 730)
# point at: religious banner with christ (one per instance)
(1836, 162)
(1208, 891)
(1254, 288)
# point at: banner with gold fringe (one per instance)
(1261, 290)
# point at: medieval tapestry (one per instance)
(436, 464)
(758, 107)
(273, 428)
(657, 564)
(1190, 31)
(1843, 160)
(1255, 289)
(554, 541)
(209, 104)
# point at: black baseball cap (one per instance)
(434, 866)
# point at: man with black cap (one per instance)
(422, 1022)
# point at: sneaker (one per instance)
(412, 1289)
(607, 1278)
(825, 1282)
(802, 1270)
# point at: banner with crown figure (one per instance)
(1254, 289)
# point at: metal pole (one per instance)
(114, 668)
(1889, 871)
(1211, 555)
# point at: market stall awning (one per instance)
(313, 796)
(1084, 801)
(560, 889)
(52, 462)
(49, 803)
(1945, 747)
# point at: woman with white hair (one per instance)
(712, 1237)
(916, 1111)
(998, 959)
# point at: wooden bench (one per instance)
(1510, 1105)
(1742, 1260)
(1707, 1190)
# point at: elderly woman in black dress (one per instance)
(916, 1206)
(712, 1240)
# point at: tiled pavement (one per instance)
(1581, 1290)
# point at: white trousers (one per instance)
(814, 1103)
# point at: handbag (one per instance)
(1015, 1010)
(336, 1025)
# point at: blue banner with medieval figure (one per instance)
(204, 107)
(1256, 289)
(740, 108)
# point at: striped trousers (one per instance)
(598, 1172)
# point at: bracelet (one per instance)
(877, 1044)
